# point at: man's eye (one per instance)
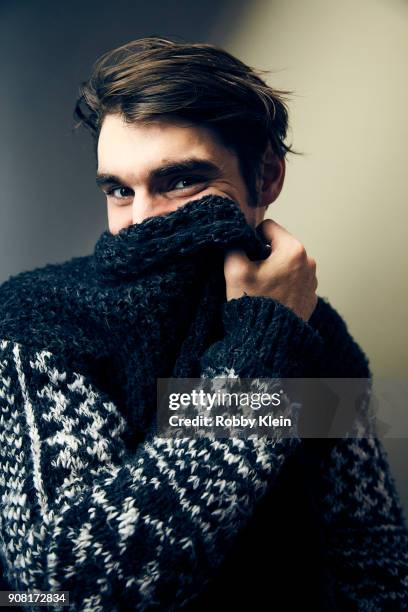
(120, 195)
(190, 181)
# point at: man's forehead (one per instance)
(131, 149)
(160, 163)
(116, 130)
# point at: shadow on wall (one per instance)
(51, 209)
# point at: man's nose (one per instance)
(142, 207)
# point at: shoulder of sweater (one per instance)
(344, 357)
(37, 305)
(51, 276)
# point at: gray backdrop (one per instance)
(50, 207)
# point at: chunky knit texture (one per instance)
(94, 502)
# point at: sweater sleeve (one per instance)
(355, 494)
(363, 522)
(264, 338)
(81, 513)
(363, 527)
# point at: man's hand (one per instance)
(287, 275)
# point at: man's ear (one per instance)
(271, 176)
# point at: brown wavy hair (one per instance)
(153, 78)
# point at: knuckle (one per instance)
(312, 263)
(299, 252)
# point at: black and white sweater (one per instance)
(93, 502)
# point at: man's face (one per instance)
(149, 170)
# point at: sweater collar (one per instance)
(208, 223)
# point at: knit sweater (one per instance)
(94, 502)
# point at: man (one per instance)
(137, 186)
(190, 153)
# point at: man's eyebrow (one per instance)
(187, 165)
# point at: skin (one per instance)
(131, 152)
